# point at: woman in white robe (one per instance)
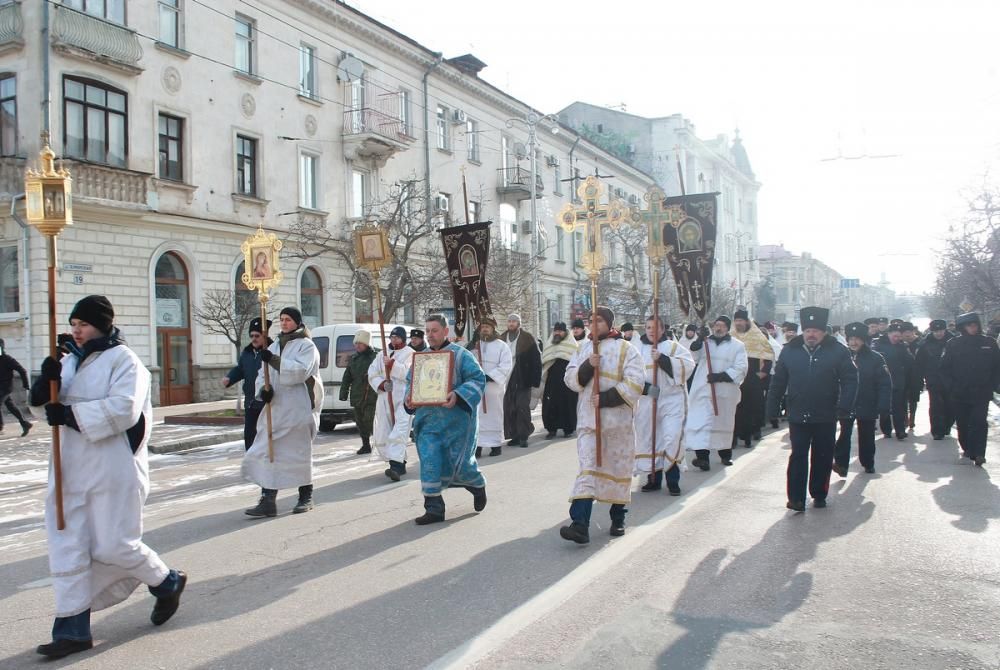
(705, 431)
(296, 398)
(104, 416)
(497, 362)
(675, 368)
(620, 385)
(390, 438)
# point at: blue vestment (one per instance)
(446, 438)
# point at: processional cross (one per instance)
(591, 218)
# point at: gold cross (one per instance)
(592, 216)
(654, 218)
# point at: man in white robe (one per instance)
(705, 430)
(497, 362)
(296, 398)
(673, 364)
(104, 416)
(392, 428)
(620, 385)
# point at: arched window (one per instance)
(173, 330)
(311, 287)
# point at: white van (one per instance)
(336, 346)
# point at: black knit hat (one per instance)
(606, 314)
(293, 313)
(690, 328)
(741, 313)
(560, 325)
(95, 310)
(724, 319)
(627, 326)
(399, 332)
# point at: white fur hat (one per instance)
(362, 336)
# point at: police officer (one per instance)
(873, 398)
(820, 379)
(897, 356)
(970, 369)
(928, 362)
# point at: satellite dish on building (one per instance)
(350, 68)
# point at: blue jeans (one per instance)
(76, 628)
(580, 509)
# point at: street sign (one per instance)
(850, 283)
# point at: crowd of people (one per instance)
(636, 401)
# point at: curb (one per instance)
(192, 443)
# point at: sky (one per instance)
(913, 80)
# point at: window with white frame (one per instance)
(474, 210)
(472, 140)
(246, 165)
(95, 122)
(578, 246)
(311, 289)
(560, 243)
(246, 45)
(307, 71)
(170, 22)
(110, 10)
(308, 191)
(359, 194)
(443, 129)
(10, 290)
(557, 187)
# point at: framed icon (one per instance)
(431, 378)
(371, 246)
(261, 261)
(467, 261)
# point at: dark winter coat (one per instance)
(355, 382)
(8, 366)
(899, 360)
(874, 385)
(527, 371)
(245, 370)
(970, 368)
(817, 385)
(928, 359)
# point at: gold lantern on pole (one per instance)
(49, 197)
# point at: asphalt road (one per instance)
(901, 571)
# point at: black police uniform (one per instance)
(970, 369)
(873, 398)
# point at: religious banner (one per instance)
(689, 237)
(466, 251)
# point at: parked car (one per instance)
(336, 346)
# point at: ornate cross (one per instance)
(592, 216)
(654, 218)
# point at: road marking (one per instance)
(599, 563)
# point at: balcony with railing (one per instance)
(373, 127)
(516, 183)
(94, 39)
(11, 27)
(91, 182)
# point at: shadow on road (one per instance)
(761, 585)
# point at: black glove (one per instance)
(58, 414)
(267, 394)
(51, 369)
(64, 340)
(704, 333)
(266, 355)
(718, 377)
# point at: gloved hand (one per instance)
(704, 333)
(387, 386)
(63, 341)
(653, 391)
(51, 369)
(717, 377)
(266, 355)
(58, 414)
(267, 394)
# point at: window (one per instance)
(474, 209)
(112, 10)
(170, 22)
(246, 165)
(311, 288)
(443, 138)
(406, 120)
(359, 194)
(8, 115)
(246, 38)
(307, 71)
(95, 120)
(10, 294)
(557, 187)
(578, 246)
(171, 131)
(560, 243)
(472, 139)
(308, 196)
(345, 349)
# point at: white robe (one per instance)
(703, 429)
(621, 369)
(671, 406)
(776, 348)
(388, 438)
(294, 416)
(99, 558)
(497, 363)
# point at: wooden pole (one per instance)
(597, 368)
(385, 351)
(54, 384)
(656, 366)
(711, 385)
(267, 380)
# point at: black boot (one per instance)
(25, 427)
(701, 463)
(479, 452)
(63, 648)
(305, 502)
(575, 532)
(395, 470)
(618, 520)
(366, 446)
(550, 435)
(654, 482)
(433, 511)
(266, 506)
(167, 603)
(478, 497)
(495, 451)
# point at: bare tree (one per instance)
(416, 274)
(509, 282)
(969, 263)
(228, 313)
(625, 282)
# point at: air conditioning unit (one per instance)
(440, 203)
(552, 161)
(458, 116)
